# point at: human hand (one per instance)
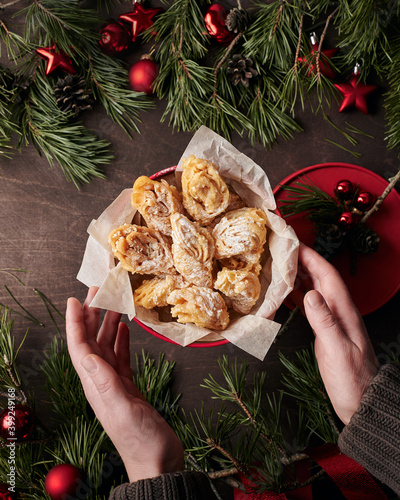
(346, 359)
(146, 443)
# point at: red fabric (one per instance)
(354, 482)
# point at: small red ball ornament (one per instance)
(347, 220)
(62, 481)
(114, 38)
(142, 75)
(16, 423)
(344, 190)
(364, 201)
(215, 23)
(355, 92)
(6, 494)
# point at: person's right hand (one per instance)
(146, 443)
(346, 359)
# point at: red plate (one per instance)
(377, 277)
(161, 173)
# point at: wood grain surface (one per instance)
(43, 221)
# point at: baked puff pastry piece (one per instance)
(156, 201)
(142, 250)
(202, 306)
(242, 287)
(192, 251)
(240, 237)
(155, 292)
(204, 193)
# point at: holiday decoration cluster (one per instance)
(234, 69)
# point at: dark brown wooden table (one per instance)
(43, 221)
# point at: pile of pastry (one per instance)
(201, 247)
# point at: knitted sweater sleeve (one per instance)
(185, 485)
(372, 437)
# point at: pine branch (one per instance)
(77, 150)
(381, 198)
(109, 81)
(62, 384)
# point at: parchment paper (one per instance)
(255, 332)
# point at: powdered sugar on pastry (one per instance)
(241, 286)
(155, 292)
(192, 250)
(205, 194)
(241, 231)
(156, 201)
(201, 306)
(142, 250)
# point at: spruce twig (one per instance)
(319, 51)
(381, 198)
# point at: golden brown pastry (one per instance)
(205, 195)
(156, 201)
(155, 292)
(241, 286)
(142, 250)
(202, 306)
(240, 237)
(192, 250)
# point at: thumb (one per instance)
(322, 321)
(105, 379)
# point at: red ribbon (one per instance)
(350, 477)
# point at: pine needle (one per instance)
(354, 153)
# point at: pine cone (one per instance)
(240, 70)
(237, 20)
(364, 239)
(72, 95)
(329, 240)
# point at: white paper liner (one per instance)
(254, 333)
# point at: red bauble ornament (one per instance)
(114, 38)
(142, 75)
(364, 201)
(139, 20)
(6, 494)
(16, 423)
(62, 481)
(355, 92)
(215, 23)
(344, 190)
(347, 220)
(56, 60)
(324, 66)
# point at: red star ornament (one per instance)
(56, 60)
(355, 93)
(140, 19)
(324, 66)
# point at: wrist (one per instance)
(138, 471)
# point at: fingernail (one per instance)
(89, 364)
(314, 299)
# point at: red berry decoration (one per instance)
(6, 494)
(142, 75)
(355, 92)
(347, 220)
(364, 201)
(16, 423)
(215, 23)
(114, 38)
(62, 481)
(344, 190)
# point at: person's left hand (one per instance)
(146, 443)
